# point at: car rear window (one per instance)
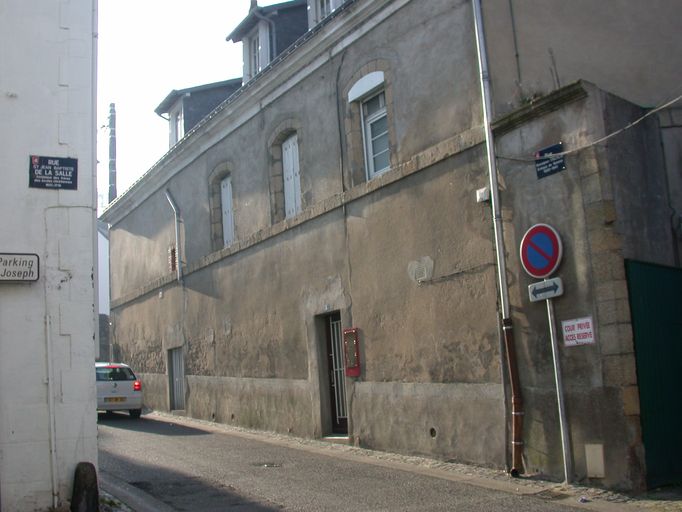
(114, 373)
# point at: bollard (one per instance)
(85, 497)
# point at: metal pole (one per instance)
(563, 424)
(176, 214)
(112, 152)
(51, 411)
(507, 324)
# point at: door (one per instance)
(176, 376)
(656, 312)
(337, 378)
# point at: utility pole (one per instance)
(112, 152)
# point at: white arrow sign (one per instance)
(547, 289)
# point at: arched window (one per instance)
(286, 198)
(221, 202)
(292, 177)
(227, 210)
(370, 141)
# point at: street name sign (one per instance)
(547, 289)
(19, 268)
(53, 172)
(541, 251)
(551, 164)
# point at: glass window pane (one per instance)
(380, 144)
(372, 105)
(379, 127)
(381, 161)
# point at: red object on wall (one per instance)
(351, 351)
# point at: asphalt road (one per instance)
(200, 467)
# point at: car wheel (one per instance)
(135, 413)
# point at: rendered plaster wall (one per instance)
(536, 47)
(605, 207)
(252, 352)
(316, 107)
(48, 328)
(670, 122)
(150, 230)
(248, 316)
(247, 322)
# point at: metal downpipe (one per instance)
(507, 326)
(176, 213)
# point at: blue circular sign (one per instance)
(541, 251)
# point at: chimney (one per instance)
(254, 5)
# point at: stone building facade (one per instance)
(340, 193)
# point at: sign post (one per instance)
(541, 251)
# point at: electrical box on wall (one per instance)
(351, 349)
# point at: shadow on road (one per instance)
(148, 425)
(178, 490)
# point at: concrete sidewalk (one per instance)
(123, 497)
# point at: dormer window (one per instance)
(184, 108)
(320, 9)
(325, 7)
(268, 30)
(256, 50)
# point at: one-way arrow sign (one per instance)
(547, 289)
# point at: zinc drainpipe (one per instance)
(507, 327)
(51, 412)
(176, 213)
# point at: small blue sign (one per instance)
(547, 166)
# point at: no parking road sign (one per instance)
(541, 251)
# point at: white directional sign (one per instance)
(19, 268)
(547, 289)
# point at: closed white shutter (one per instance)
(292, 178)
(228, 215)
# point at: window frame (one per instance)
(293, 204)
(254, 53)
(324, 8)
(227, 214)
(367, 120)
(177, 124)
(370, 81)
(318, 10)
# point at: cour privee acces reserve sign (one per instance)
(16, 267)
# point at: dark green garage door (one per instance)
(656, 306)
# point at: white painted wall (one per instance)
(103, 274)
(47, 328)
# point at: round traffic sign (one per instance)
(541, 251)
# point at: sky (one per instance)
(147, 48)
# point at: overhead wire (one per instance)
(595, 142)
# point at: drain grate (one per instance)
(268, 464)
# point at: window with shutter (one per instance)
(292, 178)
(227, 211)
